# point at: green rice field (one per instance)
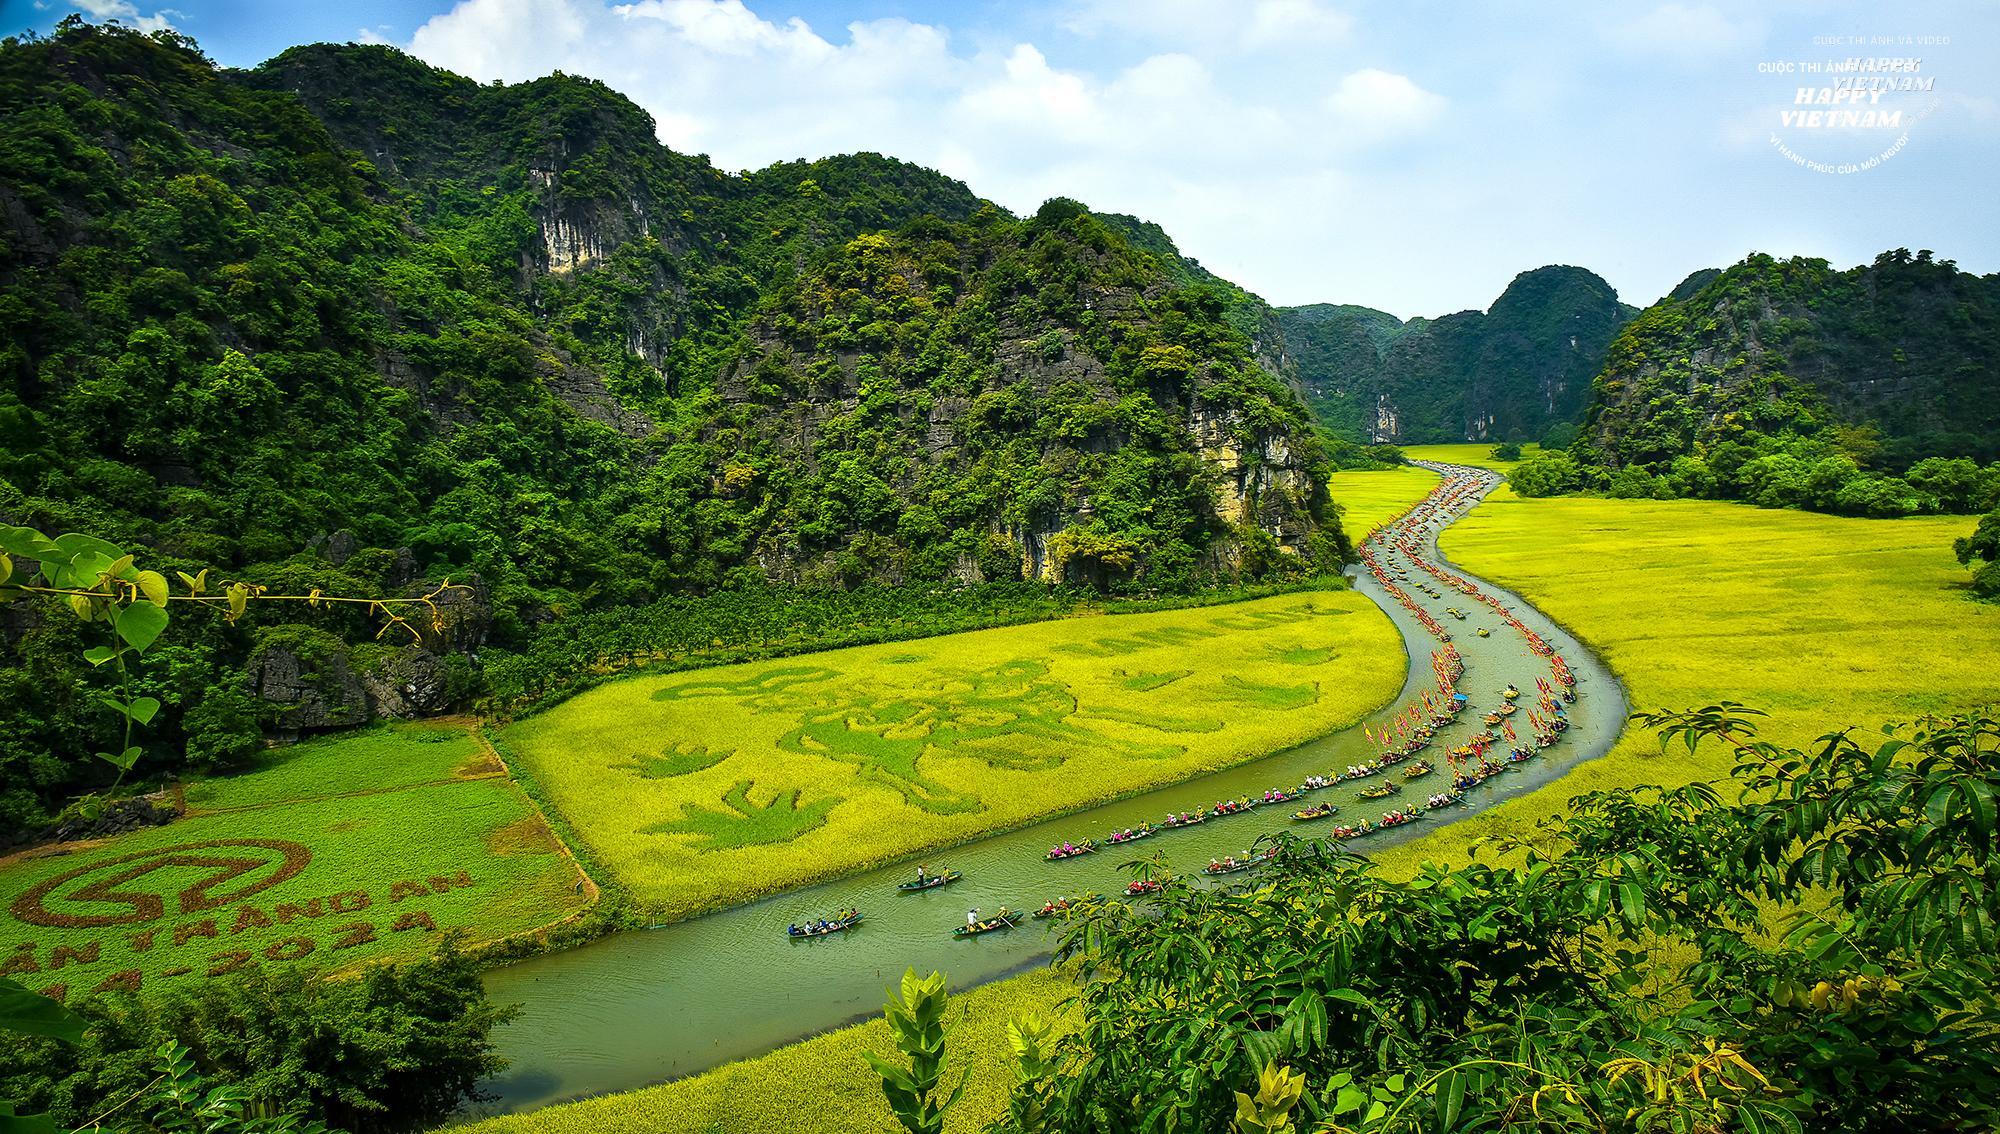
(705, 788)
(338, 852)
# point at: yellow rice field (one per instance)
(1370, 498)
(820, 1084)
(1822, 621)
(705, 788)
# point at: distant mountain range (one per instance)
(1506, 374)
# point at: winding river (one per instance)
(647, 1006)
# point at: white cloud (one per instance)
(1372, 105)
(1294, 23)
(1208, 24)
(510, 40)
(370, 36)
(127, 13)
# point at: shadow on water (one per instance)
(648, 1006)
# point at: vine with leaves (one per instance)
(105, 587)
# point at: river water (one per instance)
(646, 1006)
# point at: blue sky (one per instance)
(1407, 156)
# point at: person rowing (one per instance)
(972, 917)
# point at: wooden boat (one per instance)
(1005, 919)
(930, 882)
(1508, 709)
(1382, 792)
(1236, 866)
(1187, 821)
(1120, 838)
(1144, 886)
(1418, 771)
(837, 926)
(1491, 718)
(1060, 905)
(1311, 813)
(1085, 847)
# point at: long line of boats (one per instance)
(1413, 733)
(1466, 778)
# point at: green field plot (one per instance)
(1822, 621)
(338, 852)
(1369, 498)
(699, 789)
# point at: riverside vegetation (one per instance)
(1805, 944)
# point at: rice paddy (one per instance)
(338, 852)
(1824, 622)
(702, 789)
(1821, 621)
(1479, 454)
(1370, 498)
(820, 1084)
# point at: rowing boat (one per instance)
(795, 933)
(930, 882)
(1005, 920)
(1237, 865)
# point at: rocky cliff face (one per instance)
(1061, 404)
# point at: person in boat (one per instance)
(792, 929)
(1214, 864)
(922, 874)
(972, 917)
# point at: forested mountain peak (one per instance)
(352, 319)
(1902, 355)
(1508, 373)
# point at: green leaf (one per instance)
(69, 545)
(1349, 1100)
(144, 709)
(1450, 1099)
(27, 542)
(123, 761)
(98, 655)
(22, 1010)
(11, 1123)
(153, 585)
(141, 624)
(1632, 903)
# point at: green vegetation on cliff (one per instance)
(1509, 373)
(1788, 384)
(350, 322)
